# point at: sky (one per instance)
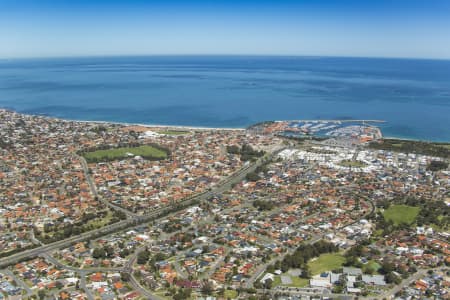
(378, 28)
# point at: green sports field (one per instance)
(401, 214)
(173, 132)
(145, 151)
(326, 262)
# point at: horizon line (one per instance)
(219, 55)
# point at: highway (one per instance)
(222, 186)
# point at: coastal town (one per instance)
(281, 210)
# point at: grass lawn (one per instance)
(352, 164)
(232, 294)
(378, 233)
(326, 262)
(296, 281)
(100, 222)
(401, 214)
(161, 294)
(173, 132)
(373, 265)
(438, 228)
(276, 281)
(95, 223)
(120, 153)
(299, 282)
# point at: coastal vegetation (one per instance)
(409, 146)
(99, 129)
(148, 152)
(260, 125)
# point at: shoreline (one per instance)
(183, 127)
(203, 128)
(414, 140)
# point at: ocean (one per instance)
(412, 96)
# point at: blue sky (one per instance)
(380, 28)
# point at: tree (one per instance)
(109, 251)
(387, 267)
(263, 205)
(207, 288)
(437, 165)
(143, 257)
(233, 149)
(124, 276)
(41, 294)
(252, 176)
(268, 283)
(235, 270)
(270, 269)
(59, 285)
(47, 227)
(391, 278)
(124, 253)
(159, 256)
(306, 272)
(99, 253)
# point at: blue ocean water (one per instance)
(413, 96)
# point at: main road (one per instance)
(221, 187)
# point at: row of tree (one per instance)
(60, 230)
(255, 175)
(246, 152)
(263, 205)
(103, 252)
(437, 165)
(301, 256)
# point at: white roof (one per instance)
(319, 283)
(267, 276)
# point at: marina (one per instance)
(358, 131)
